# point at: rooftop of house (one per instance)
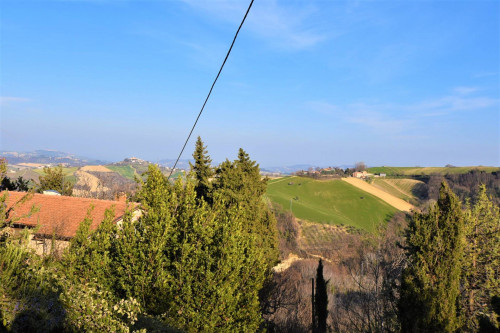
(61, 215)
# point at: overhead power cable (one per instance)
(211, 88)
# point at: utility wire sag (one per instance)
(211, 88)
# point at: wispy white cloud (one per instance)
(397, 118)
(290, 27)
(450, 104)
(379, 121)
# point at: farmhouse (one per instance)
(58, 217)
(360, 174)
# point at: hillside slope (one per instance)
(330, 202)
(392, 200)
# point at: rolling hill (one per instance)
(329, 202)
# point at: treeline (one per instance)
(465, 186)
(329, 172)
(195, 259)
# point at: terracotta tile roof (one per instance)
(61, 215)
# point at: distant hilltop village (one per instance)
(133, 160)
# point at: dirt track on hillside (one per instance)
(389, 198)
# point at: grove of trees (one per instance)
(193, 260)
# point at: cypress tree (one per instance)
(481, 271)
(203, 171)
(321, 299)
(430, 286)
(239, 182)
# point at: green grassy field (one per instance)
(330, 202)
(400, 188)
(126, 171)
(418, 171)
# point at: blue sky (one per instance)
(318, 82)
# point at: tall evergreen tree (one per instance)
(481, 271)
(239, 182)
(430, 287)
(321, 300)
(203, 171)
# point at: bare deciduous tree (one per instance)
(360, 166)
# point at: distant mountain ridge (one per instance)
(48, 157)
(45, 156)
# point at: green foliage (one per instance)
(53, 179)
(431, 283)
(28, 291)
(20, 184)
(194, 264)
(202, 170)
(88, 258)
(140, 246)
(89, 309)
(321, 300)
(481, 271)
(239, 183)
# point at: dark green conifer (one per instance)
(431, 283)
(481, 273)
(203, 171)
(239, 182)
